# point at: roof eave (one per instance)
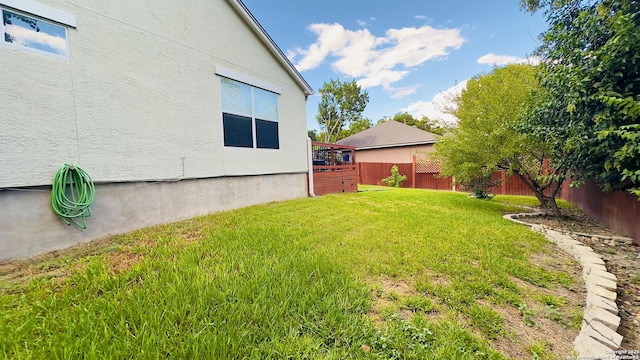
(242, 9)
(371, 147)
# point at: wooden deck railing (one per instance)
(334, 168)
(332, 157)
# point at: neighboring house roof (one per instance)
(262, 34)
(389, 134)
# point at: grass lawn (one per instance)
(380, 274)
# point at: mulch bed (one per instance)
(622, 258)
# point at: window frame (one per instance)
(253, 84)
(42, 13)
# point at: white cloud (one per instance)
(377, 61)
(364, 23)
(423, 18)
(34, 39)
(291, 55)
(499, 60)
(403, 91)
(437, 108)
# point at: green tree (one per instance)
(424, 123)
(487, 138)
(342, 103)
(313, 135)
(355, 127)
(591, 73)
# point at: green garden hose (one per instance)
(72, 194)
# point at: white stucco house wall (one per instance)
(175, 109)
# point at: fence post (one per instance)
(413, 172)
(332, 153)
(503, 188)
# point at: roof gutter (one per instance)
(371, 147)
(242, 9)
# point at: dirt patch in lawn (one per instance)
(622, 258)
(548, 319)
(389, 296)
(56, 266)
(14, 275)
(528, 327)
(385, 297)
(123, 260)
(523, 335)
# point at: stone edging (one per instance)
(598, 336)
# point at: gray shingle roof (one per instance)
(389, 134)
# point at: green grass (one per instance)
(295, 279)
(529, 201)
(540, 351)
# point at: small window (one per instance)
(267, 134)
(237, 130)
(33, 33)
(249, 115)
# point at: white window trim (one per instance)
(42, 11)
(243, 78)
(251, 82)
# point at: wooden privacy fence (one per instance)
(373, 173)
(619, 210)
(427, 176)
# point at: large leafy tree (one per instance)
(342, 103)
(355, 127)
(591, 71)
(424, 123)
(488, 139)
(312, 134)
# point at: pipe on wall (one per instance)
(310, 159)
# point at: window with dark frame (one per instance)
(249, 115)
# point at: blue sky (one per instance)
(408, 54)
(48, 37)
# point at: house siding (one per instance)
(137, 103)
(398, 155)
(138, 97)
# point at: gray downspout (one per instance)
(310, 158)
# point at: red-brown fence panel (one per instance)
(433, 181)
(373, 173)
(509, 185)
(619, 210)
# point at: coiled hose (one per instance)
(72, 194)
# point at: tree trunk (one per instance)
(547, 202)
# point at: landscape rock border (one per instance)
(598, 337)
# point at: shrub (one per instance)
(395, 180)
(480, 185)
